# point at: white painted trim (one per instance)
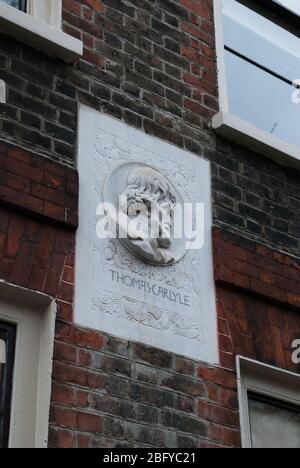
(244, 133)
(49, 11)
(51, 40)
(2, 352)
(34, 315)
(221, 66)
(2, 92)
(238, 130)
(264, 380)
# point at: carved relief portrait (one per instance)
(145, 201)
(141, 275)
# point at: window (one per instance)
(27, 321)
(7, 352)
(38, 22)
(269, 406)
(259, 60)
(48, 11)
(273, 423)
(19, 4)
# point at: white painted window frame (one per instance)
(262, 379)
(48, 11)
(34, 315)
(2, 92)
(40, 27)
(238, 130)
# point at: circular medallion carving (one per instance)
(144, 201)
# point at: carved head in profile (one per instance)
(148, 201)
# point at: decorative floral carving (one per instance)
(147, 315)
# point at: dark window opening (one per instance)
(7, 355)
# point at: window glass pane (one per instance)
(261, 40)
(20, 4)
(262, 99)
(262, 61)
(273, 425)
(7, 350)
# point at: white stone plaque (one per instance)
(158, 292)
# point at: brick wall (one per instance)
(38, 186)
(258, 301)
(112, 393)
(151, 64)
(36, 235)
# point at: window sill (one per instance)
(28, 29)
(238, 130)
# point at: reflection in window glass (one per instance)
(273, 424)
(262, 61)
(7, 351)
(262, 99)
(19, 4)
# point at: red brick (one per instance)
(77, 376)
(60, 438)
(65, 311)
(89, 422)
(231, 437)
(54, 274)
(83, 441)
(84, 358)
(217, 376)
(293, 299)
(68, 275)
(227, 360)
(19, 154)
(64, 417)
(62, 394)
(80, 337)
(196, 7)
(225, 343)
(217, 414)
(95, 4)
(14, 235)
(223, 326)
(66, 292)
(81, 399)
(72, 6)
(65, 352)
(197, 32)
(228, 398)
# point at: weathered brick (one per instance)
(184, 385)
(152, 356)
(187, 424)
